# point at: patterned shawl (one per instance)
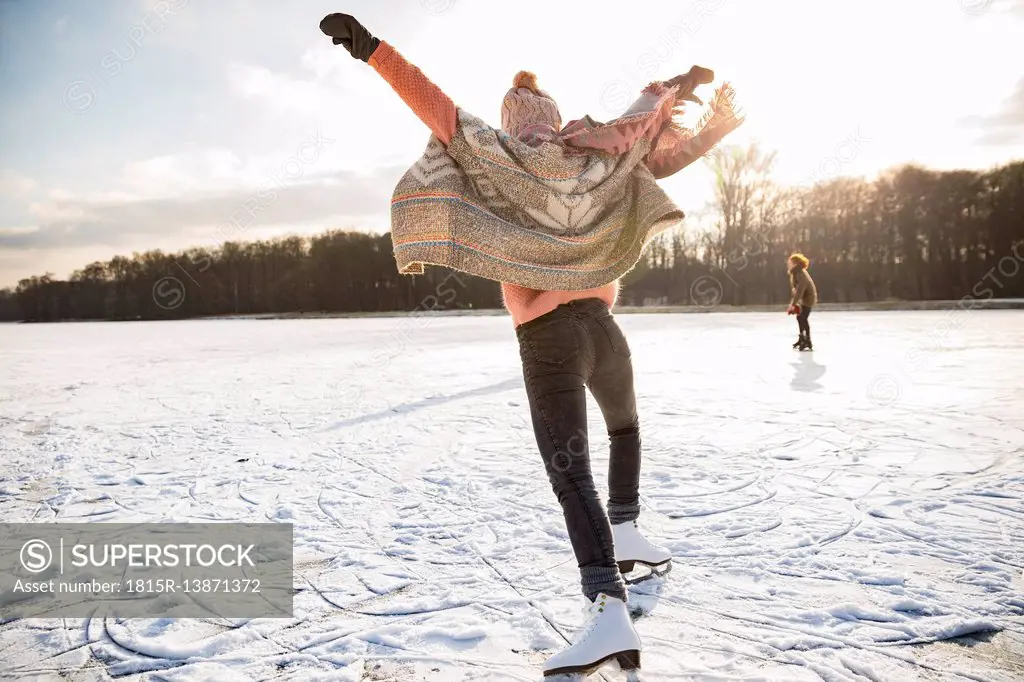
(568, 210)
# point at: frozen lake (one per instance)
(832, 514)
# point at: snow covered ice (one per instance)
(838, 515)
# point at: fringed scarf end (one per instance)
(720, 118)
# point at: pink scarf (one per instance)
(652, 117)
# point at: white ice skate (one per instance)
(608, 636)
(632, 548)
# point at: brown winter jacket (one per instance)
(805, 294)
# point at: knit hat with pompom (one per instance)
(526, 105)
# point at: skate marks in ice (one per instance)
(431, 525)
(644, 596)
(75, 479)
(465, 559)
(189, 649)
(905, 595)
(787, 588)
(788, 493)
(972, 540)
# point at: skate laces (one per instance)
(591, 612)
(646, 541)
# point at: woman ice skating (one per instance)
(804, 298)
(557, 215)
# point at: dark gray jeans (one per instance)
(803, 323)
(575, 347)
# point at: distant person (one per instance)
(557, 215)
(804, 298)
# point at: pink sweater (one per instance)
(437, 110)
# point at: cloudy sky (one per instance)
(129, 125)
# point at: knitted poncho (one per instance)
(550, 210)
(492, 206)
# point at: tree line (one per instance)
(910, 234)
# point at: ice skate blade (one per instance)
(627, 660)
(627, 565)
(653, 570)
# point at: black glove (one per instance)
(688, 82)
(350, 34)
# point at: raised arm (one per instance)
(426, 100)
